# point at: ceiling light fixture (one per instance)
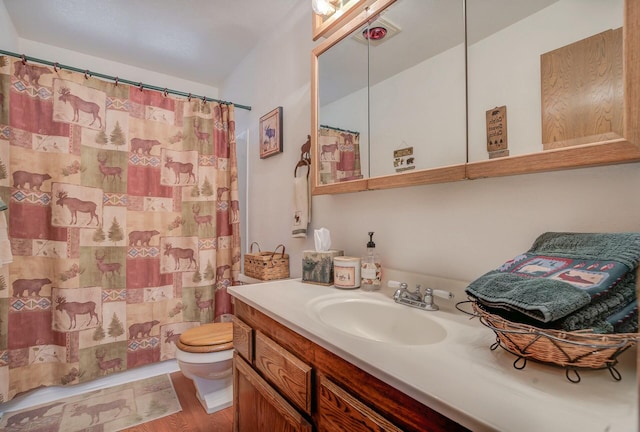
(374, 33)
(324, 7)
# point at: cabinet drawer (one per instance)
(286, 372)
(338, 410)
(243, 339)
(258, 407)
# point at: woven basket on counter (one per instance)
(266, 265)
(572, 350)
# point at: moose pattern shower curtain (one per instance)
(339, 155)
(123, 220)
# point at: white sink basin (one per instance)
(376, 319)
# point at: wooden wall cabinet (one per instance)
(619, 143)
(289, 383)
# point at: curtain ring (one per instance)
(189, 97)
(24, 60)
(117, 79)
(164, 93)
(55, 67)
(204, 99)
(140, 86)
(86, 74)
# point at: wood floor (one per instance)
(192, 418)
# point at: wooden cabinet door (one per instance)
(258, 407)
(339, 411)
(291, 376)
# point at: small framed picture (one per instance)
(271, 133)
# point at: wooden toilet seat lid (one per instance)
(210, 337)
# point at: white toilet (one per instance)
(205, 355)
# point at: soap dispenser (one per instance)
(371, 268)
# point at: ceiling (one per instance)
(197, 40)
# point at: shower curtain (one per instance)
(123, 220)
(339, 155)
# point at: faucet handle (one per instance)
(443, 294)
(428, 298)
(397, 284)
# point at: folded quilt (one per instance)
(561, 273)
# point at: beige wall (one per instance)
(8, 37)
(458, 230)
(108, 67)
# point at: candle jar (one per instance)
(346, 272)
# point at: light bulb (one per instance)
(322, 7)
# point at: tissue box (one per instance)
(317, 267)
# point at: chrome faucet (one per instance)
(415, 298)
(404, 293)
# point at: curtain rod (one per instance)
(120, 80)
(339, 130)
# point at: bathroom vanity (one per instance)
(312, 357)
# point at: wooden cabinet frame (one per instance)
(326, 27)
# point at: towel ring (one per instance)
(302, 162)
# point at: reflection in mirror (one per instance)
(417, 87)
(343, 137)
(402, 88)
(522, 55)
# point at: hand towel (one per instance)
(598, 314)
(561, 273)
(626, 320)
(621, 247)
(301, 214)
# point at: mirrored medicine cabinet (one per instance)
(413, 106)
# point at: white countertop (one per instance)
(460, 376)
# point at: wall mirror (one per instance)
(394, 79)
(565, 72)
(539, 69)
(506, 41)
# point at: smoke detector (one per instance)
(378, 31)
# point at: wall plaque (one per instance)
(497, 132)
(403, 159)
